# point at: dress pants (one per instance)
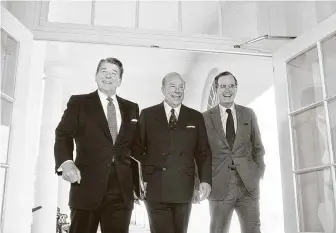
(168, 217)
(112, 214)
(238, 198)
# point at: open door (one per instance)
(18, 125)
(305, 87)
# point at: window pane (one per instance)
(316, 204)
(2, 183)
(158, 15)
(78, 12)
(310, 138)
(6, 113)
(9, 52)
(304, 80)
(197, 20)
(115, 13)
(332, 116)
(329, 61)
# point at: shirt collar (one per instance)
(232, 108)
(103, 97)
(168, 108)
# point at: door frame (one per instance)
(24, 129)
(290, 50)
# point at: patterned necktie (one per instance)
(230, 130)
(112, 119)
(172, 120)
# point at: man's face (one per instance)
(226, 89)
(173, 90)
(108, 78)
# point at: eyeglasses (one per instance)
(230, 86)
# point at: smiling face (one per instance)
(108, 78)
(173, 89)
(226, 90)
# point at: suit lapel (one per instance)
(98, 113)
(240, 123)
(216, 120)
(123, 113)
(182, 118)
(161, 117)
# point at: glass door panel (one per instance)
(310, 138)
(304, 80)
(316, 204)
(329, 64)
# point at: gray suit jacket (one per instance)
(247, 152)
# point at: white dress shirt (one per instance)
(224, 116)
(168, 110)
(104, 102)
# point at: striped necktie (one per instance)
(112, 119)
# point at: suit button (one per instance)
(164, 154)
(164, 169)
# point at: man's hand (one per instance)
(205, 190)
(70, 172)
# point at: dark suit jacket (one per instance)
(168, 156)
(247, 152)
(85, 123)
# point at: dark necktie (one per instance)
(172, 120)
(112, 119)
(230, 130)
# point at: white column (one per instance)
(46, 184)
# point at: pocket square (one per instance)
(190, 127)
(134, 120)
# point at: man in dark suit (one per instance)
(173, 136)
(103, 126)
(237, 160)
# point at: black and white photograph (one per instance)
(168, 116)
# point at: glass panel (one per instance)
(329, 61)
(316, 204)
(304, 80)
(332, 116)
(2, 183)
(6, 113)
(115, 13)
(9, 54)
(159, 15)
(78, 12)
(310, 138)
(197, 20)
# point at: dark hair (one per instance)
(225, 73)
(114, 61)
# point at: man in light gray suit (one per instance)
(237, 160)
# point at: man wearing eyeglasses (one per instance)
(237, 160)
(103, 126)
